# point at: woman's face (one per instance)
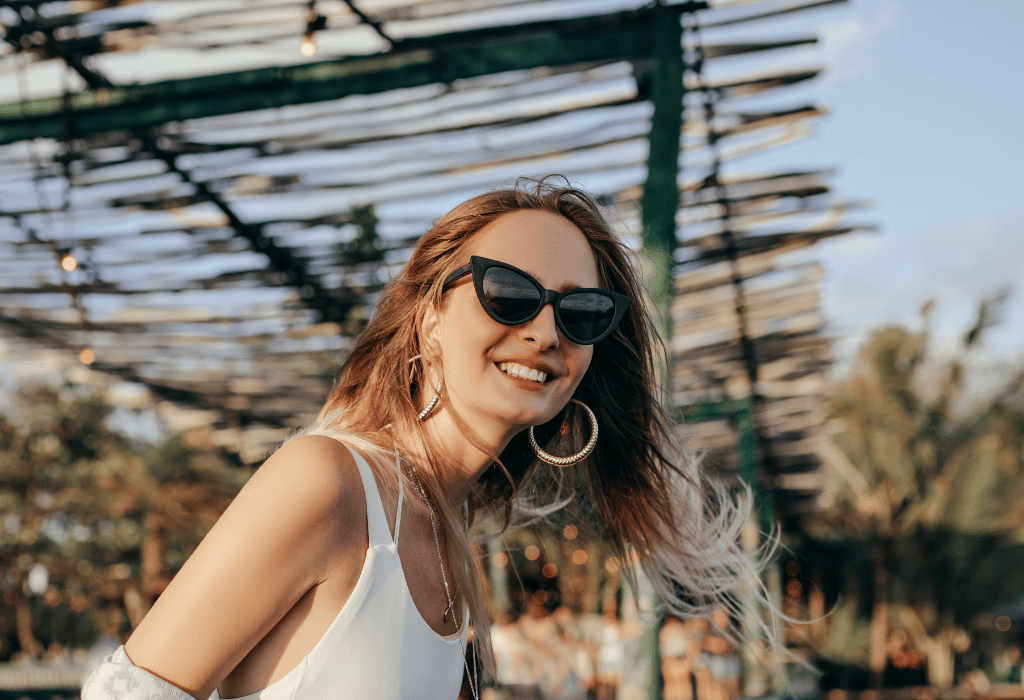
(482, 357)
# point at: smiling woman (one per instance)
(509, 371)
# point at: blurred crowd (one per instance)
(697, 661)
(549, 652)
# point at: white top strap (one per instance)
(401, 494)
(376, 519)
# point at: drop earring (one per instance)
(433, 402)
(437, 393)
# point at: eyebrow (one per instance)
(467, 268)
(564, 287)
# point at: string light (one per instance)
(314, 23)
(63, 256)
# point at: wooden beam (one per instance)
(772, 13)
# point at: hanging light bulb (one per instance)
(87, 356)
(68, 262)
(314, 23)
(308, 46)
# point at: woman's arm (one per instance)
(300, 516)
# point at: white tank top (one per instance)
(379, 646)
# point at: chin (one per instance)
(536, 413)
(518, 407)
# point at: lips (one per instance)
(515, 369)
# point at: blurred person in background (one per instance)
(551, 656)
(677, 652)
(571, 633)
(1007, 665)
(513, 660)
(721, 661)
(510, 369)
(610, 652)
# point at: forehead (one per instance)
(547, 245)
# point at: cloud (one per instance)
(846, 41)
(956, 263)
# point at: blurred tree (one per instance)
(365, 246)
(45, 462)
(931, 482)
(363, 252)
(90, 521)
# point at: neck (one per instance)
(472, 459)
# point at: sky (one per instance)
(925, 122)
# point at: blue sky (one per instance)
(926, 122)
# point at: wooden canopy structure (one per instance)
(220, 238)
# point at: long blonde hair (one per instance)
(638, 491)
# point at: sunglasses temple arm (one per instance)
(464, 270)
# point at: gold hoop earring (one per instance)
(437, 392)
(571, 459)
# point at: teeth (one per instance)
(517, 370)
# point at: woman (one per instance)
(519, 308)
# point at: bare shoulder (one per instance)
(318, 458)
(311, 485)
(318, 471)
(300, 519)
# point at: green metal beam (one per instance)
(413, 62)
(740, 413)
(658, 213)
(661, 191)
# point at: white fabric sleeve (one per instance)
(118, 678)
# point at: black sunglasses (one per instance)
(511, 297)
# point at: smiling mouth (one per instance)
(515, 369)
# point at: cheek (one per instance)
(467, 332)
(581, 359)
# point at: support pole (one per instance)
(660, 199)
(658, 208)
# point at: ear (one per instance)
(430, 332)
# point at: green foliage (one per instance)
(847, 639)
(108, 519)
(366, 245)
(931, 481)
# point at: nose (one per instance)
(542, 329)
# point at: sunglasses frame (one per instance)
(478, 266)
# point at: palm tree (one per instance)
(930, 482)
